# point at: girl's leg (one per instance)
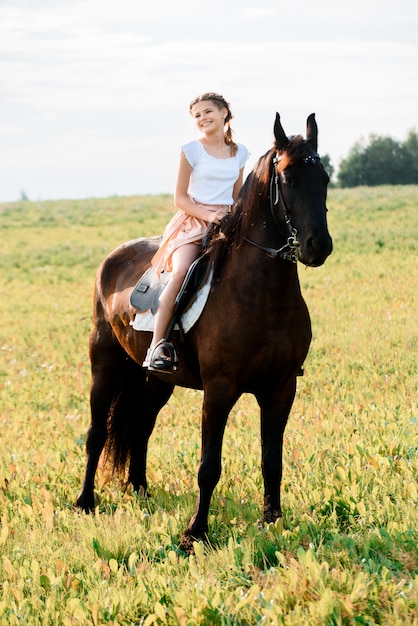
(182, 259)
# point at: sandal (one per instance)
(163, 358)
(147, 358)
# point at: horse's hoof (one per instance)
(141, 492)
(186, 544)
(188, 540)
(85, 503)
(271, 516)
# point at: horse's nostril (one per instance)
(317, 249)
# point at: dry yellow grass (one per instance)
(347, 552)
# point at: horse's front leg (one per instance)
(217, 404)
(275, 409)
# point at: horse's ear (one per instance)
(280, 135)
(312, 131)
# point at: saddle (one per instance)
(146, 293)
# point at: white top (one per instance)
(212, 180)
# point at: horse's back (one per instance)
(123, 266)
(119, 273)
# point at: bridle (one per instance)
(290, 250)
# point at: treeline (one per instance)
(378, 161)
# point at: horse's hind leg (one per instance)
(105, 357)
(149, 402)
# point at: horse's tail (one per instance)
(115, 392)
(123, 416)
(131, 420)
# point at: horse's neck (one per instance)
(266, 236)
(255, 268)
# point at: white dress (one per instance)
(211, 184)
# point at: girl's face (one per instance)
(208, 117)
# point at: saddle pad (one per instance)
(145, 321)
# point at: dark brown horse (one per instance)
(252, 337)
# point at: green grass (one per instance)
(346, 550)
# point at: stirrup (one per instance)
(163, 358)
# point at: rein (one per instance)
(290, 250)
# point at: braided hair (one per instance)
(221, 103)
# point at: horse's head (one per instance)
(299, 190)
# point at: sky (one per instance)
(94, 94)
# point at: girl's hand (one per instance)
(217, 216)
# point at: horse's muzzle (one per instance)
(315, 250)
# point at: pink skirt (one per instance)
(181, 230)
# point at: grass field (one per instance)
(346, 552)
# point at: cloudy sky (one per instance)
(94, 93)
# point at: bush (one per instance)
(381, 161)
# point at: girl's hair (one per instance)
(221, 103)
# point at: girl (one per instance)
(210, 175)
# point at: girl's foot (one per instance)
(163, 358)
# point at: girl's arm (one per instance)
(181, 198)
(238, 184)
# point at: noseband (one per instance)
(290, 250)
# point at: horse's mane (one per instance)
(254, 191)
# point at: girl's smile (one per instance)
(207, 115)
